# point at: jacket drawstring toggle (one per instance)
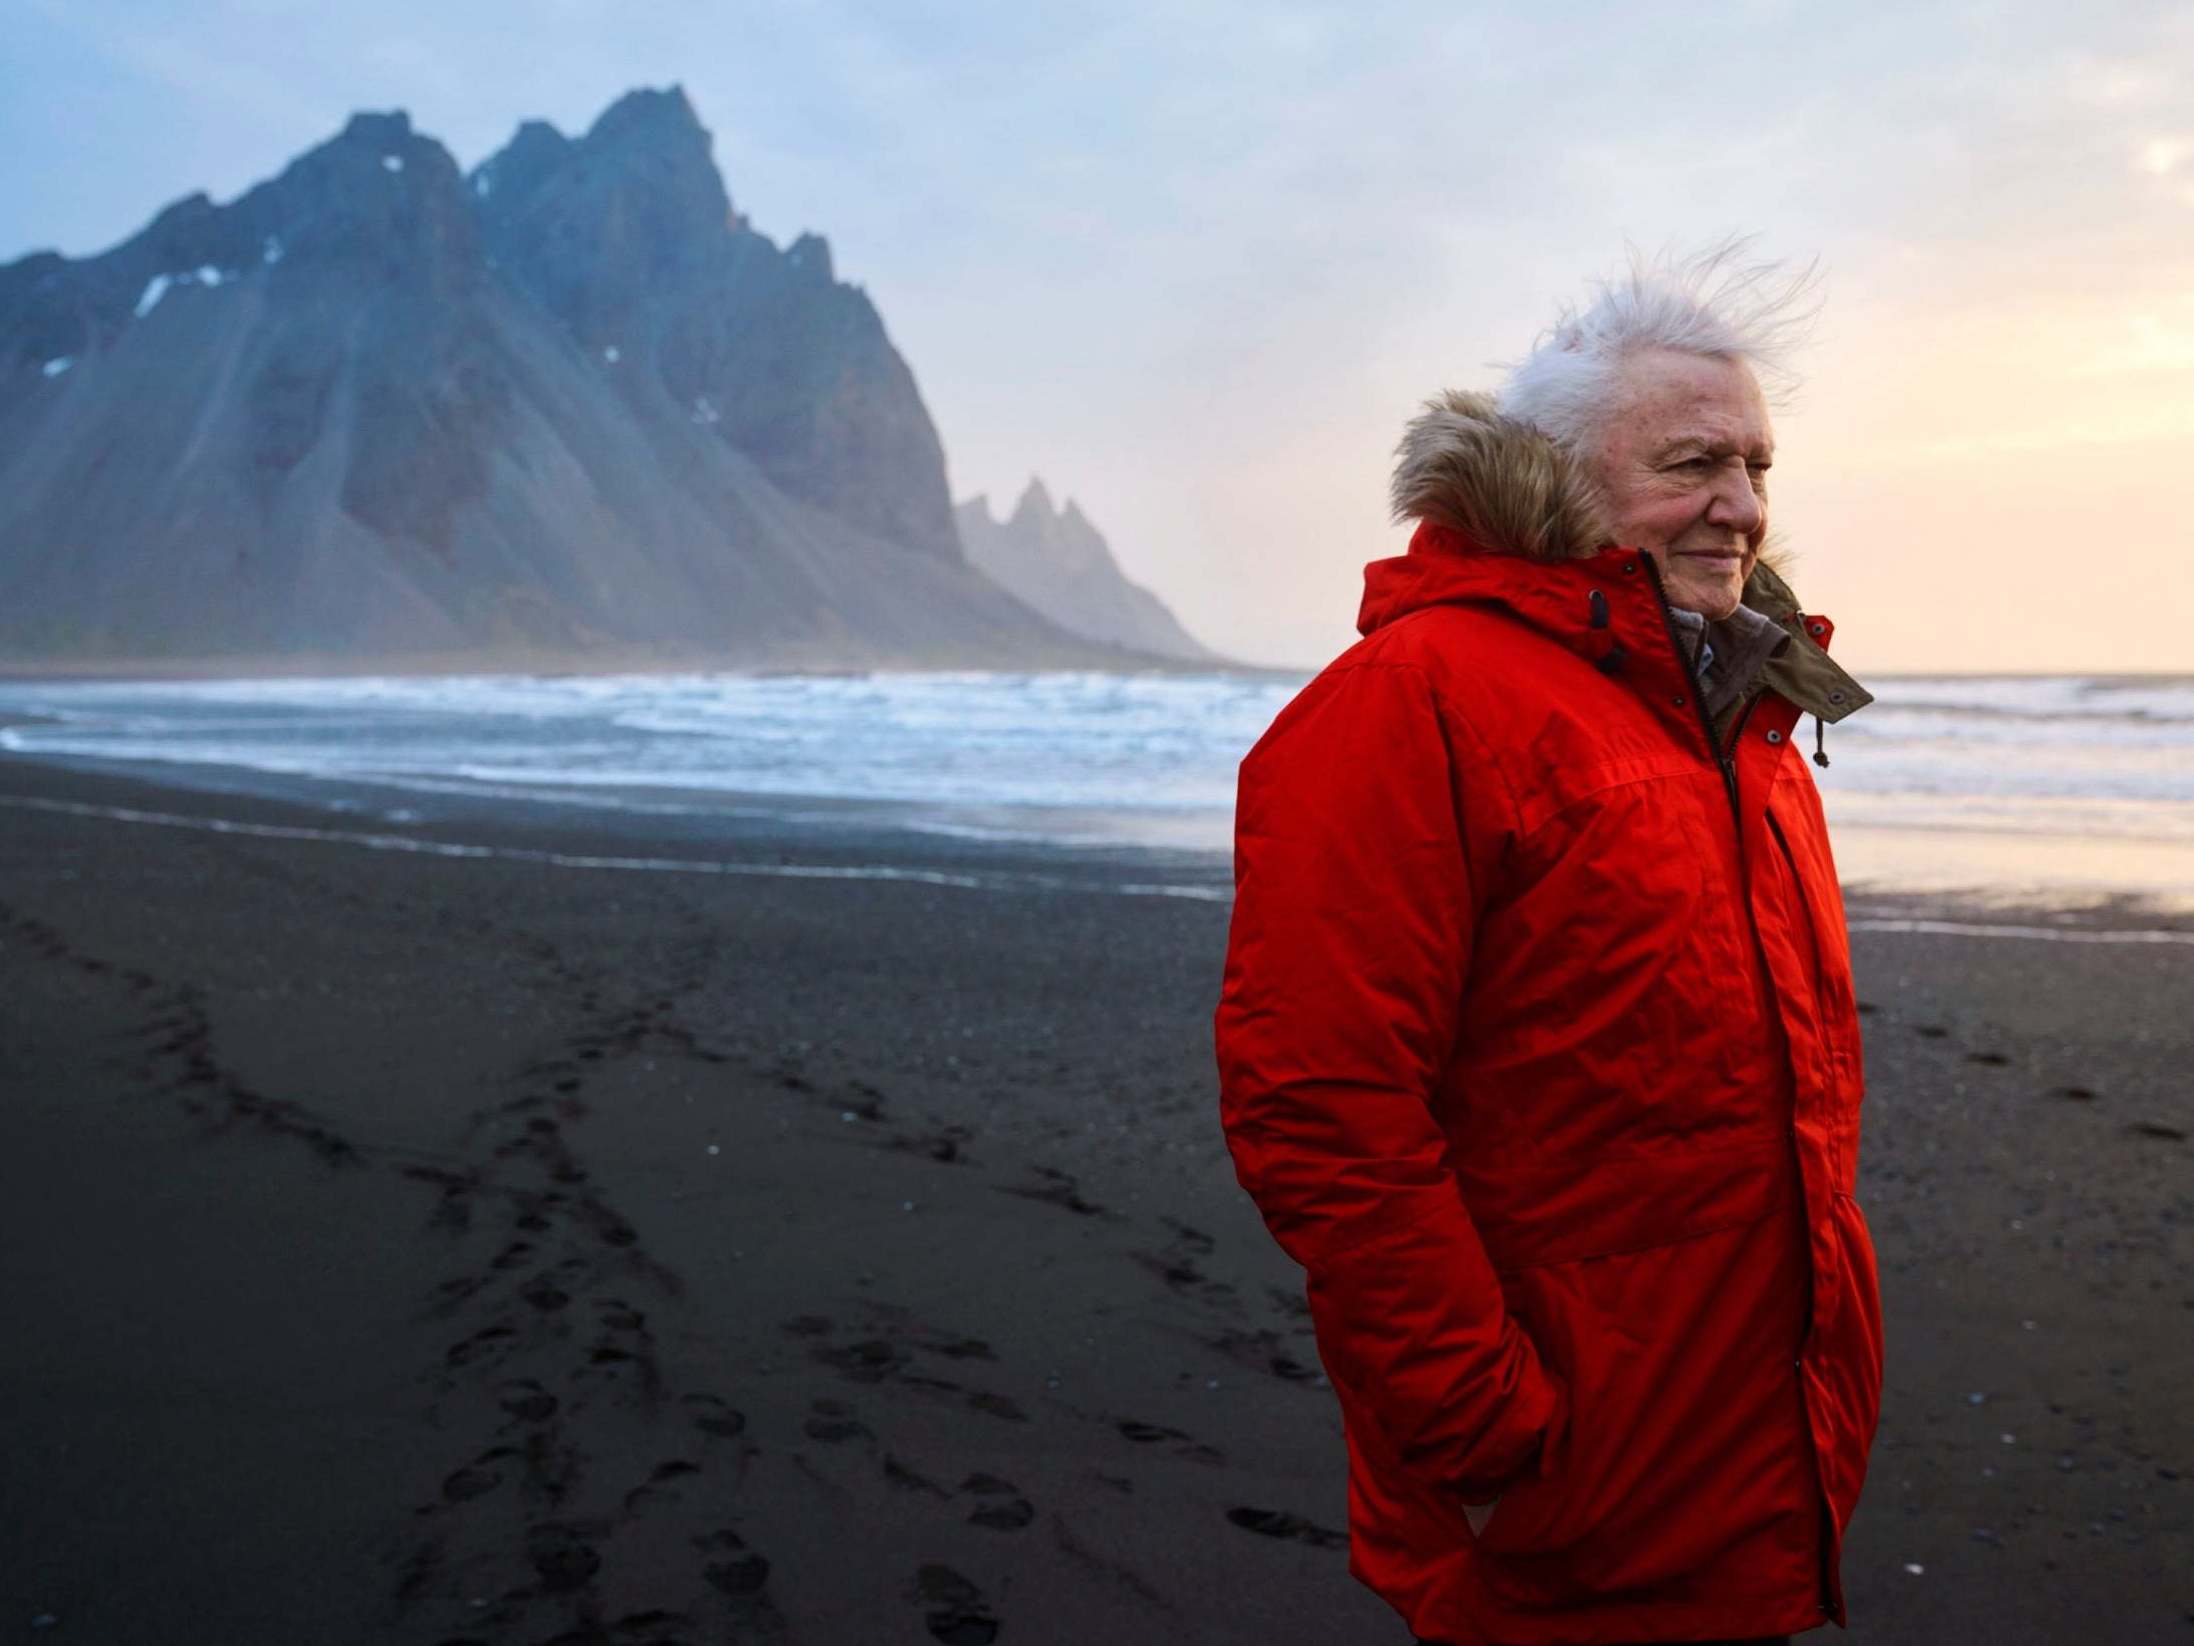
(1612, 660)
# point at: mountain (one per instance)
(1059, 563)
(571, 407)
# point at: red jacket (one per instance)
(1538, 1052)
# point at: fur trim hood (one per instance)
(1468, 466)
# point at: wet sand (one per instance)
(423, 1248)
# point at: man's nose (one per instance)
(1736, 504)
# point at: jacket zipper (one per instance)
(1720, 756)
(1725, 758)
(1821, 1003)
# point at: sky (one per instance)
(1197, 264)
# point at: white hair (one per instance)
(1709, 302)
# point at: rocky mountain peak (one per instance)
(810, 255)
(642, 175)
(645, 115)
(392, 128)
(1035, 506)
(1059, 563)
(574, 400)
(535, 151)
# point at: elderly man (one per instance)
(1537, 1043)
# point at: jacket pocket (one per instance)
(1525, 1518)
(1682, 1432)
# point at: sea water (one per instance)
(2003, 785)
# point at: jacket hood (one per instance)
(1497, 480)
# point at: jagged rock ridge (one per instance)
(1059, 563)
(570, 406)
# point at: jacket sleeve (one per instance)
(1346, 962)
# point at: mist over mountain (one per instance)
(1059, 563)
(571, 407)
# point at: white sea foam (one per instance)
(1069, 756)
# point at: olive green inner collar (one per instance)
(1801, 672)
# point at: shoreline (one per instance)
(717, 832)
(730, 832)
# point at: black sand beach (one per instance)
(404, 1247)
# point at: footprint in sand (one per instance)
(1147, 1434)
(527, 1401)
(1179, 1273)
(1279, 1523)
(922, 1380)
(1263, 1350)
(961, 1348)
(712, 1416)
(660, 1485)
(482, 1342)
(948, 1144)
(563, 1560)
(832, 1421)
(958, 1615)
(470, 1482)
(608, 1227)
(1057, 1189)
(545, 1296)
(1003, 1508)
(1289, 1301)
(620, 1316)
(737, 1570)
(899, 1474)
(1195, 1239)
(869, 1361)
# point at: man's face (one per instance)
(1682, 461)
